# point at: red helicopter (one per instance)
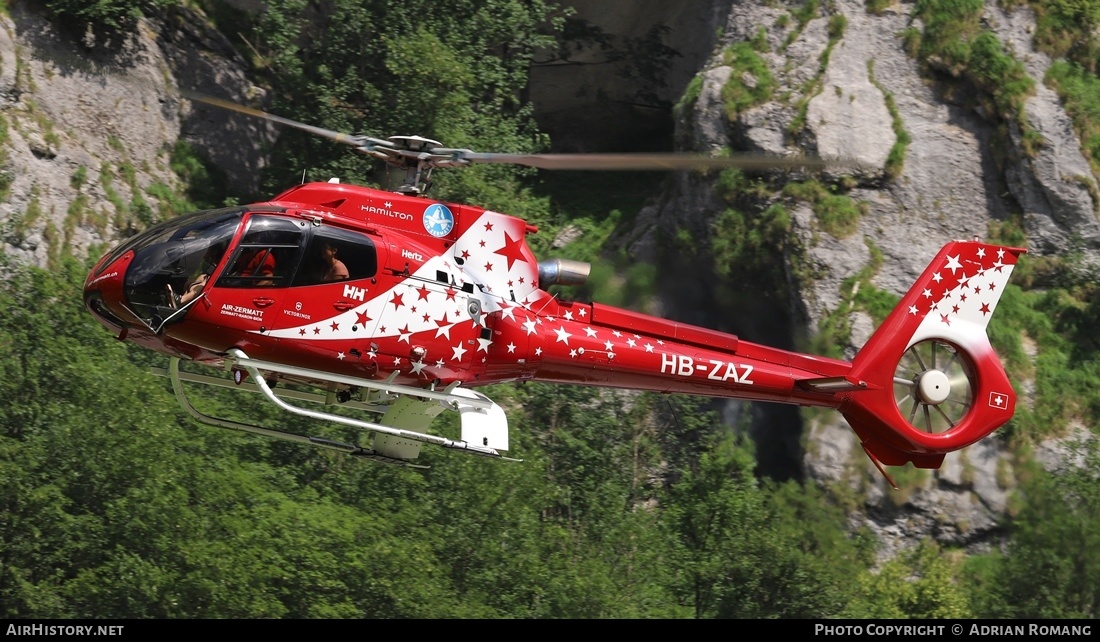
(402, 306)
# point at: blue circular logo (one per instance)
(438, 220)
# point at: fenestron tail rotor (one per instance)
(418, 156)
(934, 386)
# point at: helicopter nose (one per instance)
(103, 292)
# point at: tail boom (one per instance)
(931, 381)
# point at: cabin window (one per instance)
(356, 252)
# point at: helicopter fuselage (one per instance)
(437, 293)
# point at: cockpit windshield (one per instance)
(170, 260)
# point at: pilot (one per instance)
(195, 285)
(335, 270)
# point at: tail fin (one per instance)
(932, 381)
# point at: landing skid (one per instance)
(396, 439)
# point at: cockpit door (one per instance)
(250, 290)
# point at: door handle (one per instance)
(263, 301)
(343, 305)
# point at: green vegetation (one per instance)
(838, 214)
(110, 14)
(813, 86)
(750, 81)
(7, 176)
(955, 41)
(895, 160)
(1080, 92)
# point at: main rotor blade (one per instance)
(648, 161)
(346, 139)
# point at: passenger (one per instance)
(335, 270)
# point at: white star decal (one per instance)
(373, 353)
(563, 336)
(538, 352)
(417, 366)
(649, 347)
(582, 313)
(397, 361)
(912, 309)
(529, 327)
(631, 342)
(483, 344)
(511, 347)
(589, 331)
(568, 315)
(616, 333)
(953, 264)
(573, 354)
(981, 252)
(458, 352)
(927, 293)
(340, 356)
(439, 363)
(608, 345)
(936, 277)
(506, 312)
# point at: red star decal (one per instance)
(513, 250)
(488, 226)
(302, 332)
(316, 330)
(427, 318)
(423, 293)
(465, 254)
(451, 294)
(362, 318)
(397, 300)
(335, 326)
(481, 243)
(943, 317)
(442, 322)
(488, 266)
(984, 309)
(992, 286)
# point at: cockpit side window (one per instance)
(337, 255)
(267, 255)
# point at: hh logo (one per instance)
(352, 292)
(998, 400)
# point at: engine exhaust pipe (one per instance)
(563, 272)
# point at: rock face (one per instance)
(91, 128)
(950, 186)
